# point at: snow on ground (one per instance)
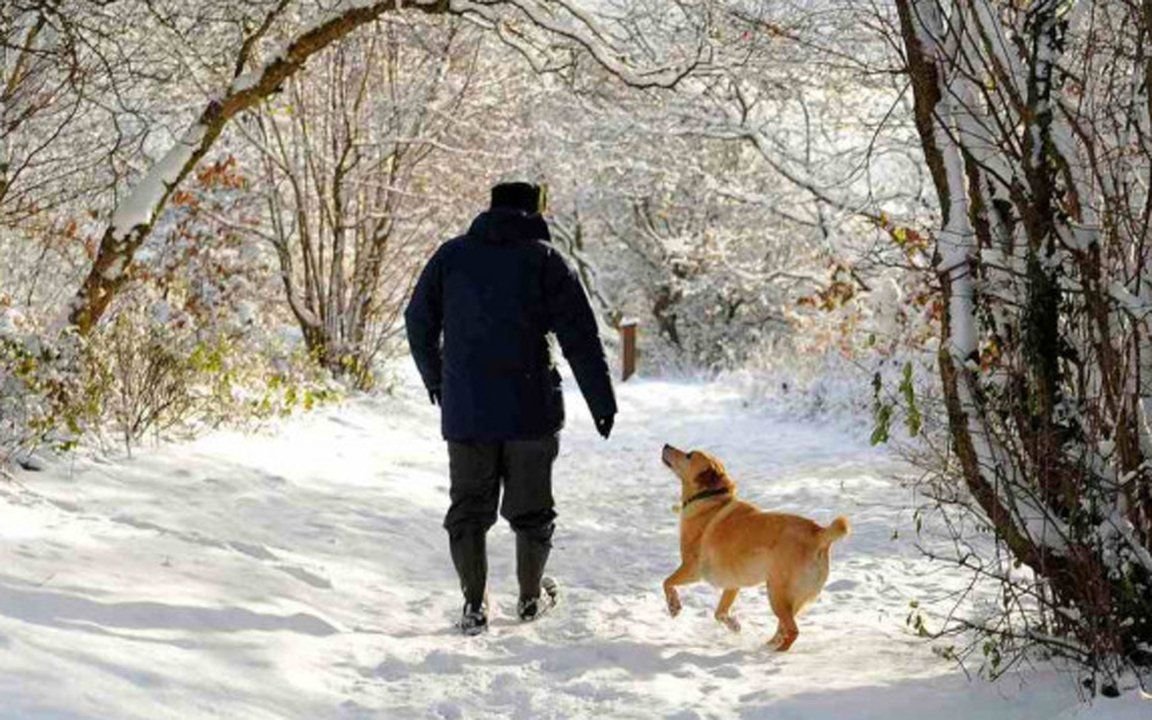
(303, 573)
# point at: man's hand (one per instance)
(604, 425)
(434, 395)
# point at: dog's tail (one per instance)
(837, 529)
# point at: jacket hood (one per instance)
(506, 226)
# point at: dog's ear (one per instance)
(710, 477)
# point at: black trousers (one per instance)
(524, 469)
(477, 471)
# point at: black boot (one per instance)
(532, 608)
(469, 555)
(474, 619)
(537, 593)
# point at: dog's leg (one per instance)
(786, 629)
(726, 599)
(686, 573)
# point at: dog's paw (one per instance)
(781, 642)
(674, 606)
(730, 622)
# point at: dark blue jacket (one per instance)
(493, 295)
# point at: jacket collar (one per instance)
(501, 225)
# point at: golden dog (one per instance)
(732, 544)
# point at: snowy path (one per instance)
(304, 574)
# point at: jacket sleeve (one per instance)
(424, 320)
(570, 316)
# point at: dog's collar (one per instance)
(704, 495)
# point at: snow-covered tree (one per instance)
(352, 160)
(1034, 125)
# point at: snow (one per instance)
(956, 239)
(244, 82)
(141, 203)
(1126, 300)
(303, 573)
(12, 322)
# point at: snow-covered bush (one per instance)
(155, 372)
(861, 353)
(42, 398)
(149, 371)
(196, 337)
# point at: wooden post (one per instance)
(628, 348)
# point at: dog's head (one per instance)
(698, 471)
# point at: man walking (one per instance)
(477, 326)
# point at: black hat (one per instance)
(517, 196)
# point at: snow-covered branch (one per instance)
(137, 212)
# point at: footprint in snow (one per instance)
(841, 585)
(252, 550)
(305, 576)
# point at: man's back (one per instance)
(494, 294)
